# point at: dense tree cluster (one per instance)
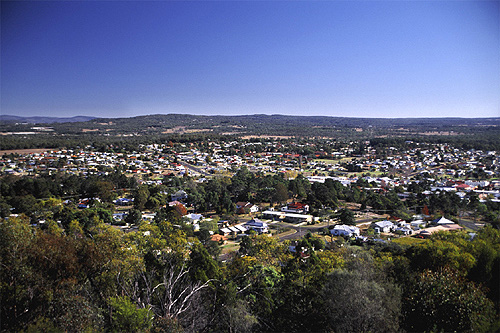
(158, 278)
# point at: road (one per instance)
(470, 224)
(193, 168)
(300, 231)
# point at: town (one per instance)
(281, 201)
(470, 175)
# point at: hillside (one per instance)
(42, 119)
(66, 131)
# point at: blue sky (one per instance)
(334, 58)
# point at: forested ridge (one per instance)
(460, 131)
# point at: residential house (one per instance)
(418, 223)
(345, 230)
(404, 230)
(193, 218)
(124, 201)
(179, 196)
(246, 207)
(383, 226)
(257, 225)
(218, 238)
(295, 207)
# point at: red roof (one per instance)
(297, 205)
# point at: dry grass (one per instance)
(25, 151)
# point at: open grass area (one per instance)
(332, 161)
(230, 246)
(326, 161)
(408, 240)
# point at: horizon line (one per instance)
(243, 115)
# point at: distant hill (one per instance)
(286, 125)
(477, 133)
(43, 120)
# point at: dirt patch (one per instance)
(25, 151)
(182, 130)
(198, 130)
(267, 137)
(174, 130)
(443, 133)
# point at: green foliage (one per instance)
(346, 216)
(357, 302)
(444, 300)
(141, 196)
(439, 253)
(126, 317)
(134, 217)
(202, 266)
(280, 193)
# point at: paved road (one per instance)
(301, 231)
(471, 225)
(193, 168)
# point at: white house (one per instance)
(193, 218)
(418, 223)
(119, 216)
(404, 230)
(246, 206)
(295, 207)
(383, 226)
(257, 225)
(345, 230)
(179, 196)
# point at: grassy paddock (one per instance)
(408, 240)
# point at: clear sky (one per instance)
(335, 58)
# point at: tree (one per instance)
(445, 301)
(134, 217)
(346, 216)
(280, 193)
(202, 266)
(105, 190)
(176, 295)
(360, 298)
(126, 317)
(141, 196)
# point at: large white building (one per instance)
(345, 230)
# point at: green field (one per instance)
(408, 240)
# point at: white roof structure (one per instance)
(417, 222)
(384, 224)
(240, 228)
(233, 229)
(346, 228)
(444, 220)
